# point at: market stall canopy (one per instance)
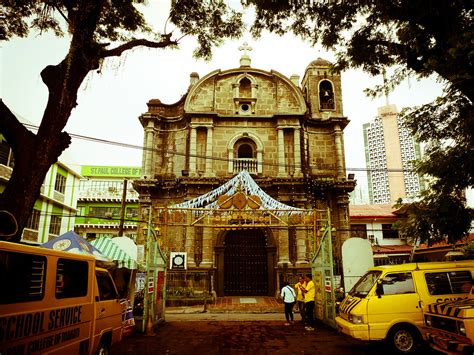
(112, 250)
(127, 245)
(73, 243)
(242, 182)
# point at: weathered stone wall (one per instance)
(321, 151)
(273, 95)
(169, 150)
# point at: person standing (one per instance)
(300, 298)
(309, 292)
(289, 296)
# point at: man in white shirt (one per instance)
(289, 297)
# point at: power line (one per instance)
(115, 219)
(72, 215)
(226, 160)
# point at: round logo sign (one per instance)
(62, 244)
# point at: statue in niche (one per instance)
(326, 95)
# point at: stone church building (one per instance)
(286, 135)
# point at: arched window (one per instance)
(326, 95)
(245, 94)
(245, 151)
(245, 148)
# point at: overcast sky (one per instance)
(110, 102)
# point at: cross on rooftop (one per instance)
(245, 47)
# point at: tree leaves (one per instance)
(439, 217)
(210, 21)
(420, 38)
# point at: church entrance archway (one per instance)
(246, 263)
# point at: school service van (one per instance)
(387, 302)
(54, 302)
(449, 326)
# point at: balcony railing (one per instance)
(246, 164)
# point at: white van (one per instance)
(54, 302)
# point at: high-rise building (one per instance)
(390, 151)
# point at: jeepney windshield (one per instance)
(365, 284)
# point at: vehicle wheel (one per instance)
(104, 348)
(404, 340)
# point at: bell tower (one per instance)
(322, 90)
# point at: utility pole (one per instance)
(122, 208)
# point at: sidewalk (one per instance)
(234, 304)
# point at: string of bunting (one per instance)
(244, 181)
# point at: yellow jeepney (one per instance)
(387, 302)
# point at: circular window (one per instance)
(245, 107)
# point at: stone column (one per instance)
(207, 248)
(230, 164)
(297, 151)
(342, 229)
(339, 152)
(254, 90)
(145, 140)
(283, 247)
(306, 151)
(192, 152)
(235, 89)
(281, 152)
(259, 161)
(236, 96)
(209, 171)
(301, 248)
(189, 246)
(149, 146)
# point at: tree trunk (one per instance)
(34, 154)
(32, 163)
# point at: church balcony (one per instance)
(246, 164)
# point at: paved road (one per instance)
(244, 334)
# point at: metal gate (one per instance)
(323, 277)
(245, 263)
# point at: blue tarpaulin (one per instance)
(73, 243)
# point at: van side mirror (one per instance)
(379, 289)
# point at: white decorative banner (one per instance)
(248, 185)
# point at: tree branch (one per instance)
(15, 133)
(115, 52)
(401, 50)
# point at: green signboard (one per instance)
(111, 171)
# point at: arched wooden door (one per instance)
(246, 263)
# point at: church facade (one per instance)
(286, 135)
